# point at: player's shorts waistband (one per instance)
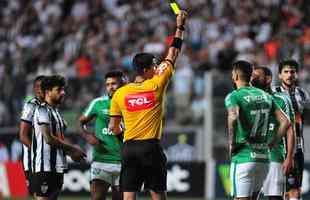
(149, 141)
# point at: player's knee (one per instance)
(129, 196)
(97, 196)
(294, 193)
(158, 195)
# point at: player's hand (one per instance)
(77, 155)
(91, 139)
(181, 18)
(231, 150)
(287, 165)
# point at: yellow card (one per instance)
(174, 6)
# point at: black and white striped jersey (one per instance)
(300, 100)
(45, 157)
(27, 116)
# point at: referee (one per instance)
(140, 104)
(49, 148)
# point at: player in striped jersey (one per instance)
(106, 158)
(280, 155)
(49, 148)
(300, 99)
(25, 128)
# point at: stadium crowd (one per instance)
(83, 39)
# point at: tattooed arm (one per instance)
(233, 114)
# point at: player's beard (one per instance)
(234, 85)
(60, 100)
(290, 84)
(258, 84)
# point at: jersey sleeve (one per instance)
(306, 99)
(274, 106)
(42, 115)
(114, 108)
(283, 104)
(163, 74)
(27, 112)
(91, 109)
(231, 101)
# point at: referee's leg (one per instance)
(158, 195)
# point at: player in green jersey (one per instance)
(280, 160)
(106, 158)
(249, 109)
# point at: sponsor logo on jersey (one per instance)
(105, 111)
(105, 131)
(140, 101)
(259, 98)
(161, 68)
(258, 155)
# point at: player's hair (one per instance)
(244, 68)
(119, 75)
(265, 69)
(290, 62)
(38, 78)
(143, 61)
(49, 82)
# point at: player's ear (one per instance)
(269, 80)
(236, 76)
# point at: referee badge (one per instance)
(44, 187)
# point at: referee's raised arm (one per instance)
(176, 45)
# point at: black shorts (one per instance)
(29, 181)
(143, 161)
(47, 183)
(294, 178)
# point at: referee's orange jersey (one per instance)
(142, 105)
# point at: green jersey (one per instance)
(109, 149)
(250, 134)
(277, 153)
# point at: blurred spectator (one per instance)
(181, 152)
(83, 39)
(83, 66)
(16, 150)
(4, 153)
(182, 89)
